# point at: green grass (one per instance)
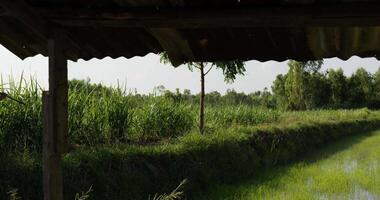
(348, 169)
(226, 156)
(100, 115)
(226, 116)
(128, 146)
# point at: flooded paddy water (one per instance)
(347, 169)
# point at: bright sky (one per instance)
(144, 73)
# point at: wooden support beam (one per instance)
(52, 171)
(55, 120)
(343, 14)
(177, 48)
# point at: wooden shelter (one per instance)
(188, 30)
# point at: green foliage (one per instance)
(164, 58)
(338, 84)
(164, 118)
(240, 115)
(131, 171)
(342, 170)
(176, 194)
(312, 66)
(108, 124)
(305, 87)
(20, 125)
(230, 68)
(108, 116)
(279, 92)
(263, 99)
(296, 86)
(360, 88)
(97, 115)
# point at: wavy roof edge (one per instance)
(195, 30)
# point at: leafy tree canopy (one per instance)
(230, 68)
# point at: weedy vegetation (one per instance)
(129, 145)
(101, 115)
(176, 194)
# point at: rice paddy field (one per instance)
(348, 169)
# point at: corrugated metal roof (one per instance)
(272, 41)
(129, 4)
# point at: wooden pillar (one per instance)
(55, 120)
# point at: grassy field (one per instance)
(130, 146)
(123, 172)
(100, 115)
(348, 169)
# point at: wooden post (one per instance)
(55, 120)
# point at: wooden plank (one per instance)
(55, 119)
(344, 14)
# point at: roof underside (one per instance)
(195, 30)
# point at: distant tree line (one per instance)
(231, 97)
(304, 87)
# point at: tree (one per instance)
(318, 90)
(213, 98)
(159, 89)
(296, 86)
(338, 86)
(312, 67)
(279, 93)
(231, 97)
(255, 99)
(375, 102)
(303, 87)
(266, 99)
(360, 88)
(230, 70)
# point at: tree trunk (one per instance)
(202, 100)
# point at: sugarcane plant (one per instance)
(4, 96)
